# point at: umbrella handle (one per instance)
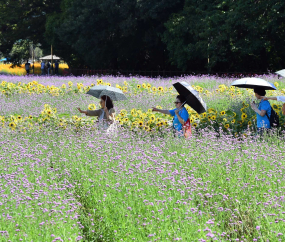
(183, 103)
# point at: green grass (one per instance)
(131, 187)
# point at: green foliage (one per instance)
(22, 21)
(20, 51)
(234, 35)
(151, 35)
(116, 34)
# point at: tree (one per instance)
(115, 34)
(234, 35)
(22, 21)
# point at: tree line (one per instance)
(187, 35)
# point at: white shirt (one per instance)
(281, 99)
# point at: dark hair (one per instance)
(260, 91)
(181, 99)
(109, 102)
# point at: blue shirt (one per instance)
(263, 122)
(183, 114)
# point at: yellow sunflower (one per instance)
(49, 112)
(226, 126)
(223, 112)
(152, 118)
(91, 106)
(244, 116)
(12, 125)
(275, 106)
(140, 123)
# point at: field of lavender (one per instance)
(66, 184)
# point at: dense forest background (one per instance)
(187, 35)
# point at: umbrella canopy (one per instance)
(281, 72)
(48, 57)
(114, 93)
(253, 82)
(192, 97)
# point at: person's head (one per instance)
(259, 92)
(108, 101)
(27, 61)
(179, 101)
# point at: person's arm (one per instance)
(181, 120)
(164, 111)
(90, 112)
(268, 98)
(183, 117)
(81, 111)
(255, 109)
(261, 112)
(111, 113)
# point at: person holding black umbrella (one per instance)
(180, 114)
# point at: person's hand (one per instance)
(264, 98)
(105, 109)
(177, 110)
(81, 111)
(154, 109)
(253, 105)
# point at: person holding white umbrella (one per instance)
(106, 115)
(263, 111)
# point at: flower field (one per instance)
(62, 180)
(236, 117)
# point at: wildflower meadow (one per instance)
(62, 179)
